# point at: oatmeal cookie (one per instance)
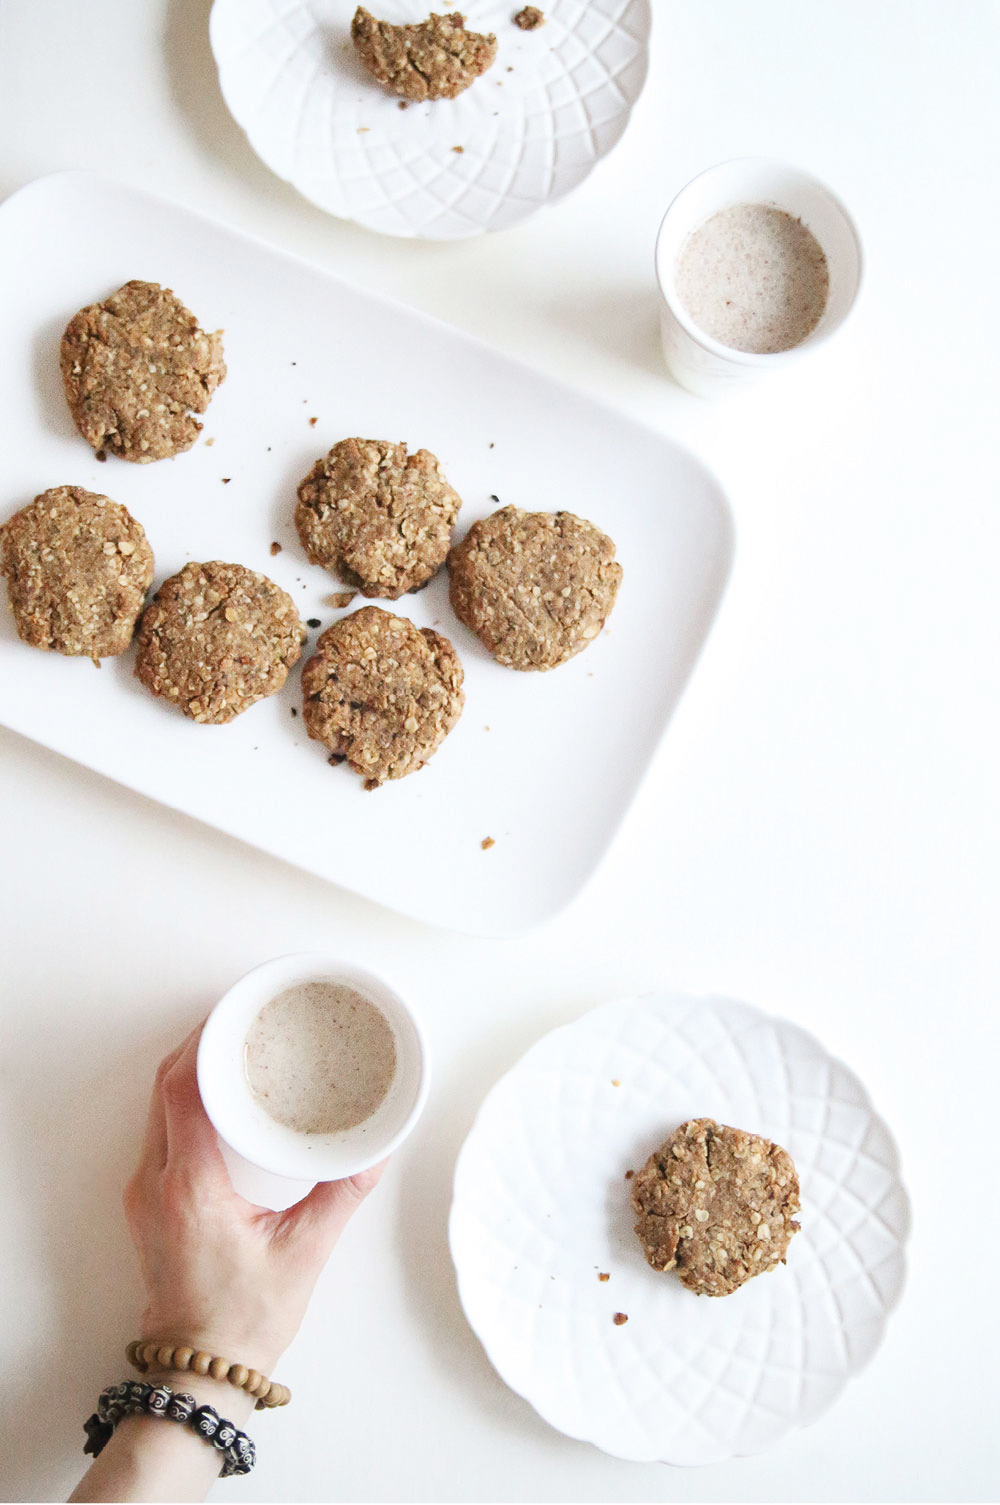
(135, 368)
(530, 18)
(377, 518)
(436, 59)
(717, 1204)
(381, 693)
(78, 568)
(536, 587)
(216, 638)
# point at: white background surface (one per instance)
(819, 834)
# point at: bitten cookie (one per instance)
(78, 568)
(135, 368)
(717, 1204)
(381, 693)
(377, 518)
(216, 638)
(535, 587)
(436, 59)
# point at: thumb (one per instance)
(323, 1215)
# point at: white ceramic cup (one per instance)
(694, 359)
(240, 1119)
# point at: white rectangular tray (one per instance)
(546, 764)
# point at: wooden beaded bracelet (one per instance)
(144, 1353)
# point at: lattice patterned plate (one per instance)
(542, 1207)
(531, 129)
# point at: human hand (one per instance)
(220, 1273)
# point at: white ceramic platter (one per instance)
(545, 764)
(542, 1206)
(531, 129)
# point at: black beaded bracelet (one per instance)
(132, 1396)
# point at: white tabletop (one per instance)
(818, 835)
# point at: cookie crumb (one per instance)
(294, 711)
(362, 129)
(458, 148)
(487, 842)
(341, 599)
(404, 104)
(604, 1275)
(615, 1082)
(275, 548)
(629, 1175)
(493, 495)
(313, 422)
(619, 1319)
(530, 18)
(226, 480)
(210, 442)
(312, 621)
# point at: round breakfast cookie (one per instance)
(381, 693)
(377, 518)
(135, 368)
(78, 568)
(717, 1204)
(216, 638)
(434, 59)
(535, 587)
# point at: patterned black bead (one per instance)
(182, 1407)
(206, 1421)
(122, 1390)
(158, 1400)
(138, 1394)
(245, 1450)
(225, 1435)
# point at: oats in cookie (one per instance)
(381, 693)
(216, 638)
(535, 587)
(435, 59)
(717, 1204)
(136, 368)
(530, 18)
(376, 517)
(78, 567)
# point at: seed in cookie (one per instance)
(136, 368)
(78, 567)
(435, 59)
(381, 693)
(377, 518)
(717, 1204)
(535, 587)
(216, 638)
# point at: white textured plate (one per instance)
(555, 101)
(541, 1206)
(546, 764)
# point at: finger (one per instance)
(191, 1142)
(323, 1215)
(154, 1145)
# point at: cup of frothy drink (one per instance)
(312, 1068)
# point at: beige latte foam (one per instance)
(754, 278)
(320, 1058)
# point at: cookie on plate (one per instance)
(377, 518)
(78, 568)
(717, 1204)
(216, 638)
(136, 368)
(535, 587)
(435, 59)
(381, 693)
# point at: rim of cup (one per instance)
(665, 265)
(244, 1124)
